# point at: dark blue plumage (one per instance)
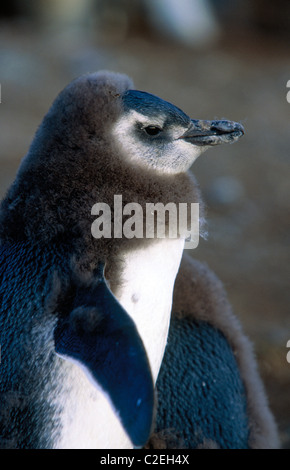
(151, 106)
(28, 361)
(201, 393)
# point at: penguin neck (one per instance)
(146, 290)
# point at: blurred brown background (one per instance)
(215, 59)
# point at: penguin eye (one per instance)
(152, 130)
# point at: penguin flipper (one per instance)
(99, 335)
(210, 394)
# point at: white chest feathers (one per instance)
(146, 293)
(87, 417)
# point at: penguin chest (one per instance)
(146, 291)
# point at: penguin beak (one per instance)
(208, 133)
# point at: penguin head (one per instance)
(102, 116)
(156, 134)
(101, 137)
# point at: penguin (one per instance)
(86, 322)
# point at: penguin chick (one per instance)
(84, 320)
